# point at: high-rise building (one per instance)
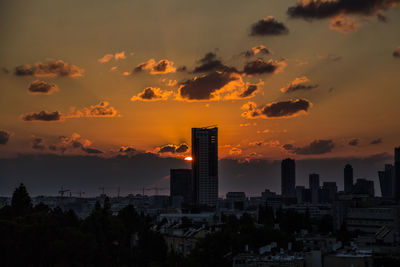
(205, 166)
(365, 187)
(300, 194)
(348, 179)
(387, 181)
(288, 178)
(397, 172)
(331, 189)
(314, 187)
(181, 184)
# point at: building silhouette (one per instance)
(348, 179)
(387, 181)
(314, 187)
(397, 172)
(181, 184)
(205, 166)
(364, 187)
(330, 191)
(288, 178)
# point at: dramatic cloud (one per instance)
(260, 66)
(152, 94)
(316, 147)
(248, 91)
(376, 141)
(283, 109)
(52, 68)
(127, 149)
(298, 84)
(324, 9)
(210, 63)
(42, 116)
(116, 56)
(260, 49)
(161, 67)
(268, 26)
(343, 25)
(72, 143)
(354, 142)
(103, 109)
(4, 137)
(38, 143)
(209, 86)
(42, 87)
(182, 148)
(396, 52)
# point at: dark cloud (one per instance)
(316, 9)
(42, 116)
(298, 84)
(161, 67)
(396, 52)
(250, 91)
(52, 68)
(4, 137)
(42, 87)
(171, 148)
(282, 109)
(103, 109)
(181, 69)
(376, 141)
(91, 150)
(127, 149)
(260, 66)
(152, 94)
(205, 86)
(260, 49)
(268, 26)
(210, 63)
(38, 143)
(354, 142)
(316, 147)
(343, 25)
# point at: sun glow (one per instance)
(189, 158)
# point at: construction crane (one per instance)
(155, 189)
(63, 191)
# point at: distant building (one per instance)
(397, 172)
(237, 200)
(300, 194)
(387, 181)
(314, 187)
(181, 184)
(348, 179)
(364, 186)
(330, 189)
(205, 166)
(288, 178)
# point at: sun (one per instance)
(189, 158)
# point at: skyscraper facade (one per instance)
(348, 179)
(397, 172)
(181, 184)
(205, 165)
(387, 181)
(314, 187)
(288, 178)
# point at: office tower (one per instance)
(288, 178)
(205, 165)
(364, 187)
(397, 172)
(348, 179)
(329, 191)
(387, 181)
(181, 184)
(314, 187)
(300, 194)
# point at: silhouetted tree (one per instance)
(21, 202)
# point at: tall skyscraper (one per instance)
(397, 172)
(181, 184)
(288, 178)
(348, 179)
(331, 189)
(205, 165)
(314, 187)
(387, 181)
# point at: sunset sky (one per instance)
(280, 78)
